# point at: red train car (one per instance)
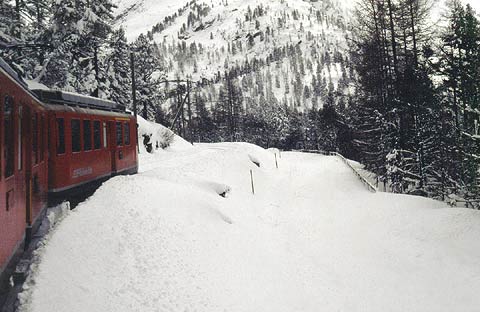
(23, 162)
(54, 145)
(90, 141)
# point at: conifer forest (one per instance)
(392, 84)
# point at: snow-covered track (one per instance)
(367, 183)
(311, 238)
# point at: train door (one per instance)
(8, 161)
(112, 144)
(2, 190)
(25, 158)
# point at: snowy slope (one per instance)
(311, 239)
(139, 16)
(276, 48)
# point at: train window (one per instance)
(87, 135)
(19, 139)
(76, 145)
(105, 139)
(119, 134)
(97, 144)
(9, 137)
(127, 133)
(60, 136)
(35, 138)
(20, 147)
(43, 126)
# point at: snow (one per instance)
(224, 24)
(312, 238)
(35, 85)
(144, 14)
(159, 134)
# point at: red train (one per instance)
(53, 144)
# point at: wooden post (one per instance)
(251, 179)
(276, 162)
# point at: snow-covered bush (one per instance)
(166, 139)
(153, 136)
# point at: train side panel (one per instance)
(125, 145)
(23, 165)
(83, 149)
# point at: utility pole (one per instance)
(134, 86)
(134, 95)
(189, 108)
(182, 111)
(230, 107)
(96, 92)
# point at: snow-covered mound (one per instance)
(158, 136)
(310, 239)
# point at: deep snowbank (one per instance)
(311, 239)
(160, 137)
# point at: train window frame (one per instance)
(126, 133)
(105, 137)
(119, 133)
(1, 137)
(19, 139)
(97, 135)
(9, 137)
(35, 142)
(41, 131)
(60, 139)
(87, 135)
(78, 141)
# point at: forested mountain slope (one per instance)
(284, 53)
(383, 84)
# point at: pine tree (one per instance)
(147, 67)
(460, 68)
(118, 69)
(78, 34)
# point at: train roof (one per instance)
(77, 100)
(84, 110)
(48, 97)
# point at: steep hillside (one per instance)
(288, 52)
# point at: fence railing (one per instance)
(473, 203)
(468, 203)
(365, 182)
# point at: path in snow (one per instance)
(311, 239)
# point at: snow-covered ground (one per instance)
(310, 239)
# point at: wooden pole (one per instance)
(276, 162)
(134, 96)
(134, 87)
(251, 179)
(189, 107)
